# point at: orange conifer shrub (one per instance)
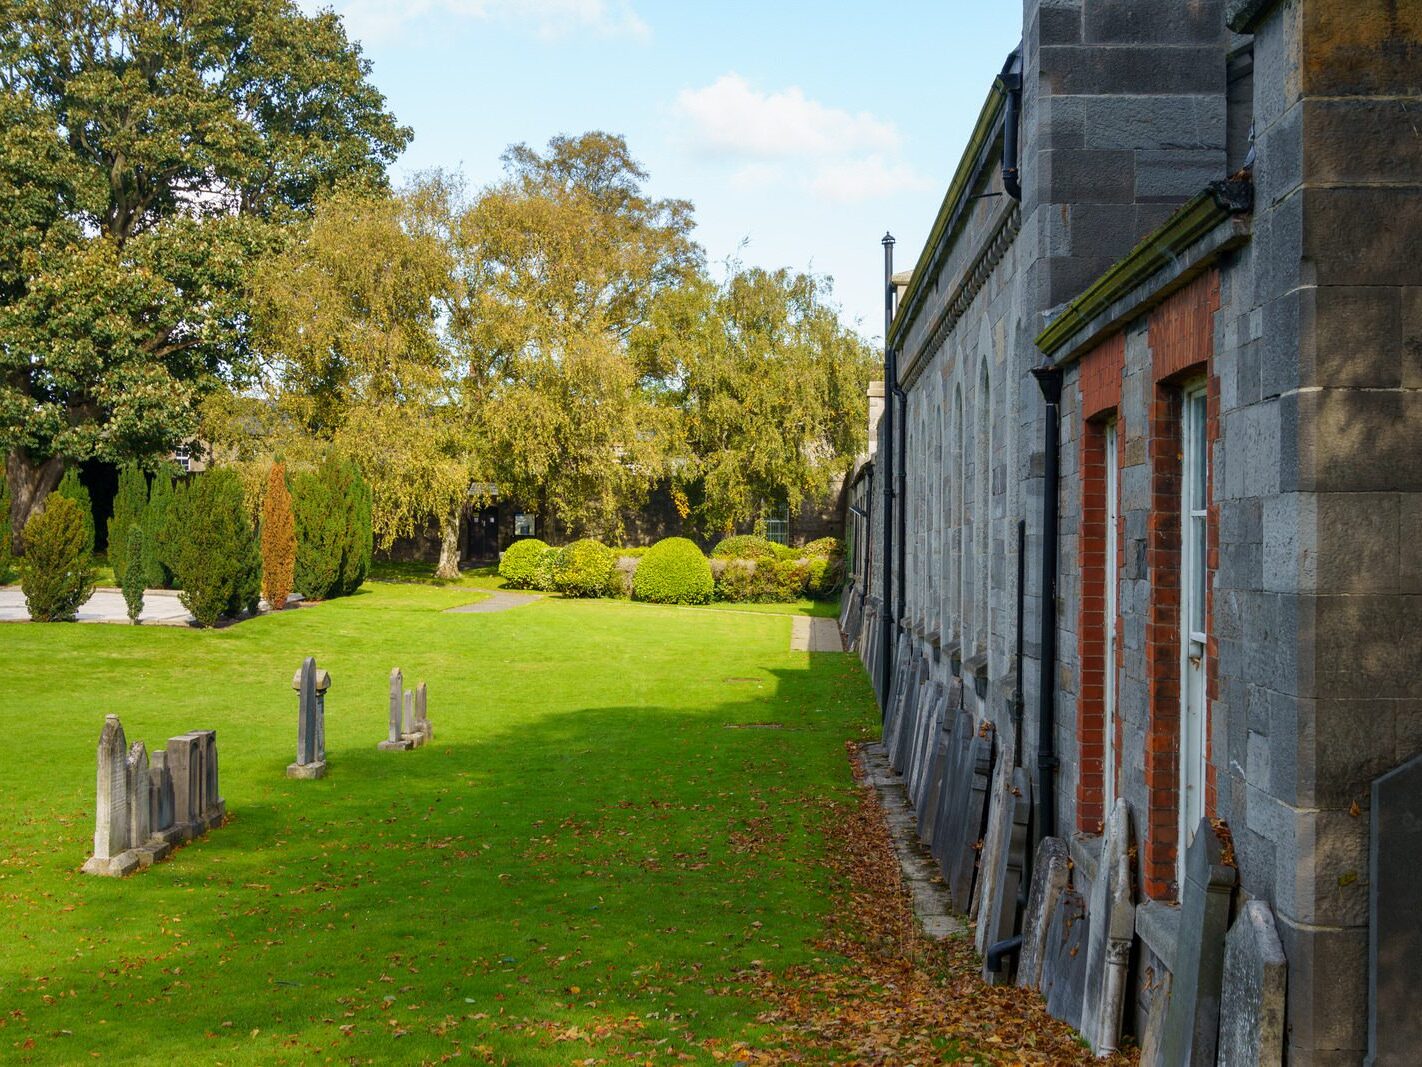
(278, 539)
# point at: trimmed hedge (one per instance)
(748, 546)
(520, 563)
(825, 548)
(57, 572)
(673, 572)
(583, 569)
(216, 559)
(331, 508)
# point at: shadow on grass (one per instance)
(596, 871)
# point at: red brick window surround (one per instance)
(1181, 337)
(1100, 384)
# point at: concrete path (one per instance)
(497, 601)
(161, 607)
(815, 635)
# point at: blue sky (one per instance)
(803, 129)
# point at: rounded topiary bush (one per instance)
(824, 548)
(583, 568)
(673, 572)
(57, 572)
(746, 546)
(520, 563)
(823, 577)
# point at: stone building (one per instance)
(1168, 325)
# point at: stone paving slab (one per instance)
(161, 607)
(496, 601)
(815, 635)
(931, 903)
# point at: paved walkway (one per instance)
(496, 601)
(815, 635)
(161, 607)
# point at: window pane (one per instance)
(1197, 574)
(1200, 454)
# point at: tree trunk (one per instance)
(30, 482)
(449, 545)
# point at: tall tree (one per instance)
(129, 504)
(561, 262)
(149, 154)
(770, 388)
(353, 319)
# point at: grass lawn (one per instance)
(604, 833)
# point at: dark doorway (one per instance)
(481, 535)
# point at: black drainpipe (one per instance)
(902, 494)
(1049, 380)
(1011, 78)
(886, 465)
(1017, 702)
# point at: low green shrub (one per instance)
(216, 558)
(824, 548)
(673, 572)
(823, 577)
(746, 546)
(520, 563)
(70, 486)
(583, 569)
(57, 572)
(543, 580)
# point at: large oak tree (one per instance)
(150, 153)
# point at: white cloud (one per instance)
(729, 117)
(851, 180)
(548, 19)
(755, 177)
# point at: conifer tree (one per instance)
(74, 489)
(278, 539)
(131, 577)
(157, 568)
(129, 504)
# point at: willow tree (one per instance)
(769, 387)
(559, 264)
(149, 155)
(351, 321)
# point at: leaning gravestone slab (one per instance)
(1113, 925)
(1252, 1007)
(965, 863)
(938, 771)
(1394, 904)
(932, 701)
(1064, 965)
(956, 783)
(1050, 871)
(1192, 1019)
(1002, 903)
(999, 828)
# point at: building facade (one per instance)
(1153, 454)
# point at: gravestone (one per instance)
(897, 685)
(1192, 1018)
(1064, 964)
(1252, 1005)
(1007, 888)
(957, 784)
(906, 677)
(965, 863)
(1051, 868)
(409, 717)
(395, 742)
(310, 685)
(1394, 904)
(214, 807)
(1113, 926)
(139, 786)
(933, 791)
(999, 829)
(160, 793)
(184, 758)
(931, 701)
(111, 807)
(422, 717)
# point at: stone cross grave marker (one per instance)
(1394, 905)
(1051, 870)
(310, 685)
(1252, 1004)
(1192, 1018)
(1113, 926)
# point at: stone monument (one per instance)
(1252, 1003)
(409, 724)
(311, 685)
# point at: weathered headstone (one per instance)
(1113, 925)
(937, 771)
(931, 700)
(214, 807)
(995, 839)
(956, 782)
(139, 804)
(1394, 905)
(1252, 1005)
(965, 863)
(185, 769)
(111, 808)
(1003, 903)
(395, 741)
(160, 792)
(422, 717)
(1050, 871)
(310, 686)
(1192, 1018)
(1064, 965)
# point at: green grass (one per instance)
(589, 847)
